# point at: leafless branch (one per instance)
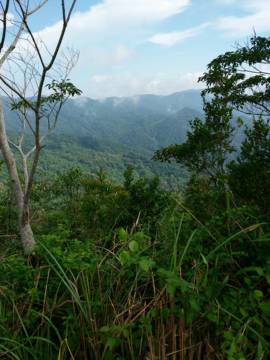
(23, 79)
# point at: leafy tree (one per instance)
(242, 77)
(249, 175)
(205, 150)
(237, 80)
(208, 142)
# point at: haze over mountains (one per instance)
(112, 132)
(146, 121)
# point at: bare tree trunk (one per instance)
(26, 233)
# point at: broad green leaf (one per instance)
(134, 246)
(124, 257)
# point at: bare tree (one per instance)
(35, 78)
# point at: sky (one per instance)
(131, 47)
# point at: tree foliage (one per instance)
(242, 77)
(249, 174)
(237, 80)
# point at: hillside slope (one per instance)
(114, 132)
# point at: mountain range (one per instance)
(113, 132)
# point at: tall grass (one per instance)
(134, 300)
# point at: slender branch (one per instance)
(63, 10)
(38, 102)
(37, 8)
(25, 24)
(12, 45)
(4, 31)
(17, 92)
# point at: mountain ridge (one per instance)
(114, 132)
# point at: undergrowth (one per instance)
(149, 283)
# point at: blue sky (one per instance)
(130, 47)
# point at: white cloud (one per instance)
(102, 32)
(105, 58)
(133, 12)
(173, 38)
(226, 2)
(257, 18)
(106, 85)
(107, 36)
(114, 15)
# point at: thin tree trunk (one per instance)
(26, 232)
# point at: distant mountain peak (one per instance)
(136, 98)
(140, 122)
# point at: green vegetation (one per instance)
(130, 270)
(63, 152)
(114, 133)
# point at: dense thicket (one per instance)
(129, 272)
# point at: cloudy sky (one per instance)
(130, 47)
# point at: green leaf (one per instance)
(134, 246)
(265, 307)
(112, 343)
(239, 122)
(104, 329)
(122, 234)
(124, 257)
(258, 294)
(146, 264)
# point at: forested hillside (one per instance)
(115, 132)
